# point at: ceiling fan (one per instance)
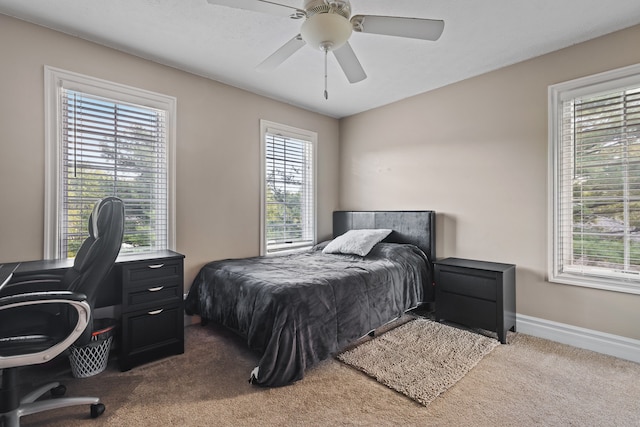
(327, 26)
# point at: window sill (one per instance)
(286, 251)
(602, 283)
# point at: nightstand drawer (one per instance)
(152, 294)
(467, 310)
(469, 282)
(138, 273)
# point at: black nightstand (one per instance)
(477, 294)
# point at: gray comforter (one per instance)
(298, 309)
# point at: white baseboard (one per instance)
(601, 342)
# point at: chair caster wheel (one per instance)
(97, 409)
(59, 391)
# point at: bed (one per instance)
(298, 309)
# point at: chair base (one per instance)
(29, 406)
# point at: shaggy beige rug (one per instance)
(420, 359)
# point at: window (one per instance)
(288, 219)
(595, 181)
(105, 139)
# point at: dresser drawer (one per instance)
(152, 328)
(151, 295)
(158, 271)
(151, 333)
(466, 281)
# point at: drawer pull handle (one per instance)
(156, 289)
(156, 266)
(154, 312)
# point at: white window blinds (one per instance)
(112, 148)
(106, 139)
(597, 218)
(288, 191)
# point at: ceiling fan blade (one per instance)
(415, 28)
(280, 55)
(349, 63)
(262, 6)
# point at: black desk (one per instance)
(147, 289)
(6, 272)
(57, 267)
(110, 292)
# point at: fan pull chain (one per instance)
(326, 93)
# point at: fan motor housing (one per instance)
(341, 7)
(326, 31)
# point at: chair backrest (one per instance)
(98, 253)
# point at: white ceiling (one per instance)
(226, 44)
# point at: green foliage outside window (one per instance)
(284, 212)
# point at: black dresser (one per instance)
(152, 307)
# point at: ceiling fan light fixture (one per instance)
(326, 31)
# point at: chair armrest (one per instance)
(34, 298)
(76, 300)
(39, 277)
(32, 283)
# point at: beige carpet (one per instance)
(420, 359)
(528, 382)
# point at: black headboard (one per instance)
(415, 227)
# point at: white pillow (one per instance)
(356, 242)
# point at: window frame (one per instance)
(54, 80)
(294, 133)
(617, 79)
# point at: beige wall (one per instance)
(476, 152)
(217, 179)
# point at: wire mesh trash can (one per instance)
(91, 359)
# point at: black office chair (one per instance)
(41, 317)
